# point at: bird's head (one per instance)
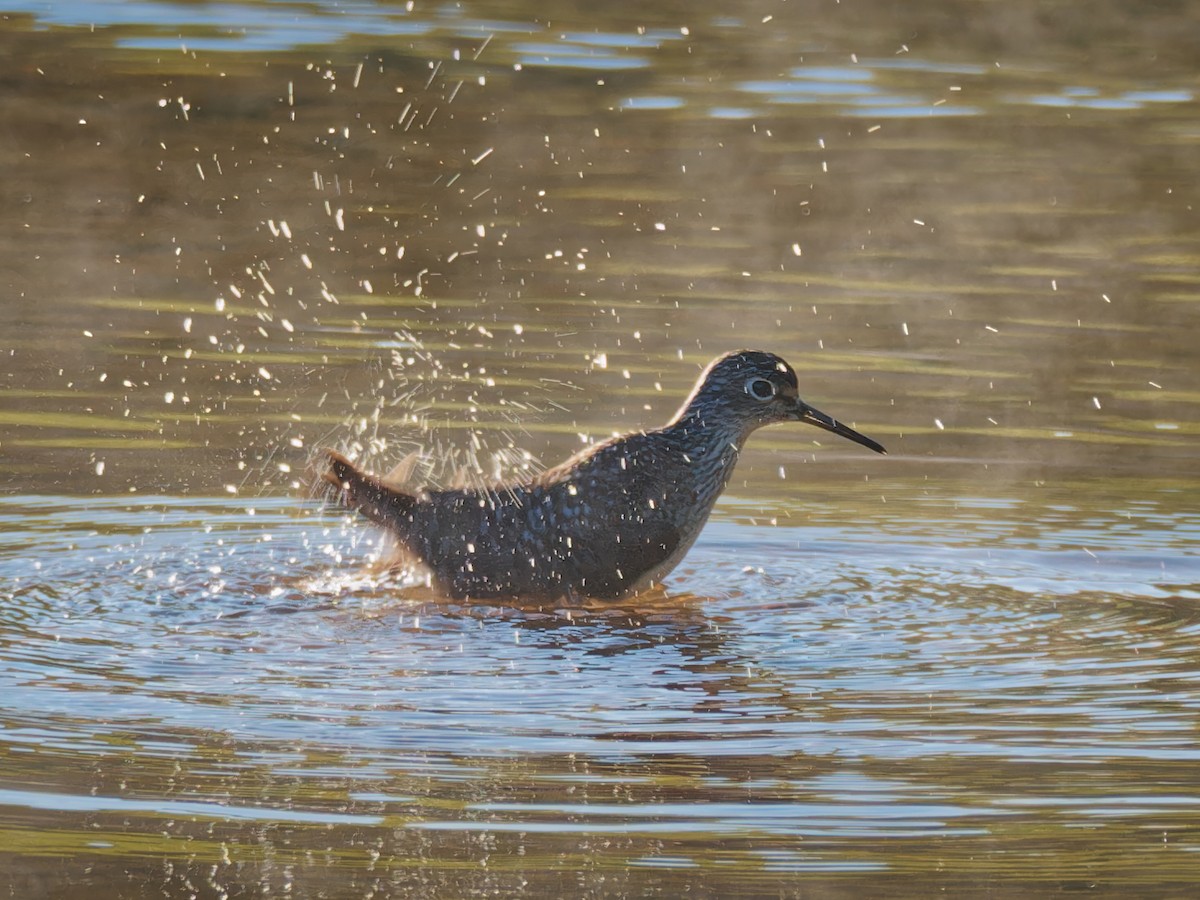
(752, 388)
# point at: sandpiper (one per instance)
(609, 522)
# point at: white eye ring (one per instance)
(760, 389)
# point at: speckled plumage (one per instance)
(610, 521)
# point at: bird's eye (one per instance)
(760, 389)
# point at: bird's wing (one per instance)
(619, 561)
(402, 473)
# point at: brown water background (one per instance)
(231, 234)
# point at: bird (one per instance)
(608, 523)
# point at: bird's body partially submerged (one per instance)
(610, 521)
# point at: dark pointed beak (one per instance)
(818, 418)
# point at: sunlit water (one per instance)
(170, 665)
(234, 234)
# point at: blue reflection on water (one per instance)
(652, 103)
(1091, 98)
(856, 90)
(273, 26)
(574, 56)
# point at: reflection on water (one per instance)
(236, 233)
(225, 666)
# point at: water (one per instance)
(234, 234)
(858, 707)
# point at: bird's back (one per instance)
(596, 526)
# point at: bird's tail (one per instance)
(369, 495)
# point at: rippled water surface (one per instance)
(236, 233)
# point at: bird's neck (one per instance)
(712, 441)
(705, 422)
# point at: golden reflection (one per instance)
(970, 229)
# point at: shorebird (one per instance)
(607, 523)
